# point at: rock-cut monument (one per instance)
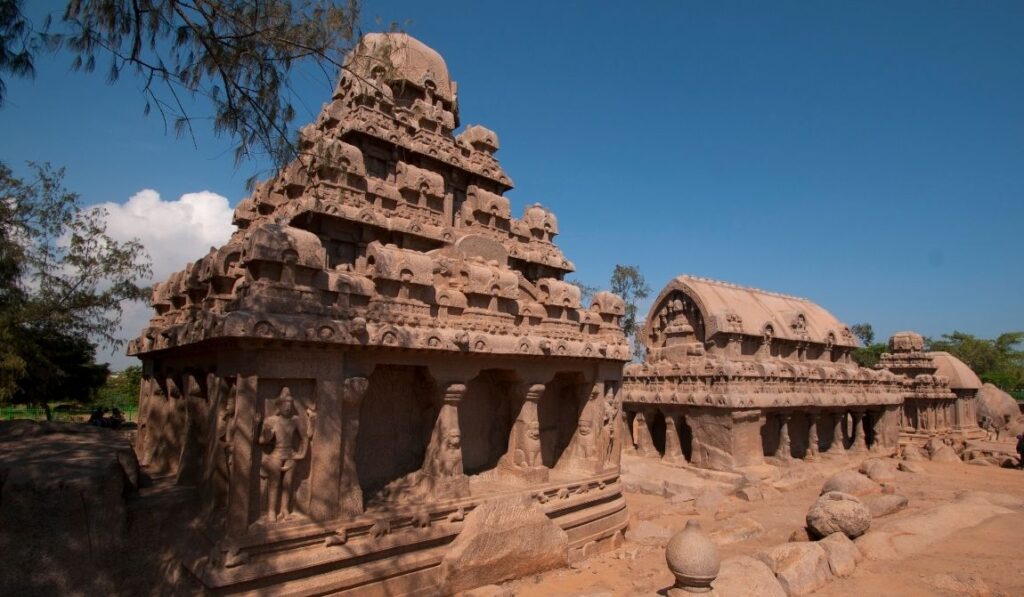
(380, 351)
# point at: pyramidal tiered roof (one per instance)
(389, 230)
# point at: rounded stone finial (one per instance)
(693, 559)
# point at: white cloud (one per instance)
(174, 234)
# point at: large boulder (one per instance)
(64, 520)
(851, 482)
(999, 410)
(743, 575)
(880, 470)
(503, 539)
(801, 568)
(837, 512)
(912, 453)
(945, 454)
(842, 554)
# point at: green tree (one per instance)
(62, 281)
(629, 283)
(997, 361)
(121, 387)
(864, 332)
(239, 56)
(58, 367)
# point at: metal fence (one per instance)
(75, 414)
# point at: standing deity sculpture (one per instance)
(280, 432)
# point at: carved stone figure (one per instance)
(288, 445)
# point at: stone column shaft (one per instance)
(837, 433)
(784, 449)
(673, 448)
(644, 441)
(812, 437)
(859, 441)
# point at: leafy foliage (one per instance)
(997, 361)
(62, 278)
(59, 367)
(870, 354)
(238, 55)
(121, 388)
(629, 283)
(864, 332)
(15, 43)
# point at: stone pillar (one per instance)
(244, 441)
(812, 436)
(523, 459)
(837, 433)
(859, 441)
(629, 441)
(784, 450)
(673, 449)
(350, 492)
(642, 434)
(443, 463)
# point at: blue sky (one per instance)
(869, 155)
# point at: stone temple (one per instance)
(736, 376)
(378, 352)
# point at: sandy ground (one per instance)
(984, 559)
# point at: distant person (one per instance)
(96, 418)
(116, 418)
(1020, 449)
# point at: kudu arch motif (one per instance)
(379, 349)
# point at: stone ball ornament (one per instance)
(693, 559)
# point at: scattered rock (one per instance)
(737, 530)
(643, 485)
(983, 461)
(744, 575)
(908, 466)
(837, 512)
(800, 568)
(850, 482)
(912, 453)
(503, 539)
(879, 470)
(945, 454)
(799, 535)
(676, 490)
(682, 498)
(649, 533)
(751, 493)
(842, 554)
(883, 505)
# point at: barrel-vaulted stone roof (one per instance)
(730, 308)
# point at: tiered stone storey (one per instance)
(378, 349)
(734, 375)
